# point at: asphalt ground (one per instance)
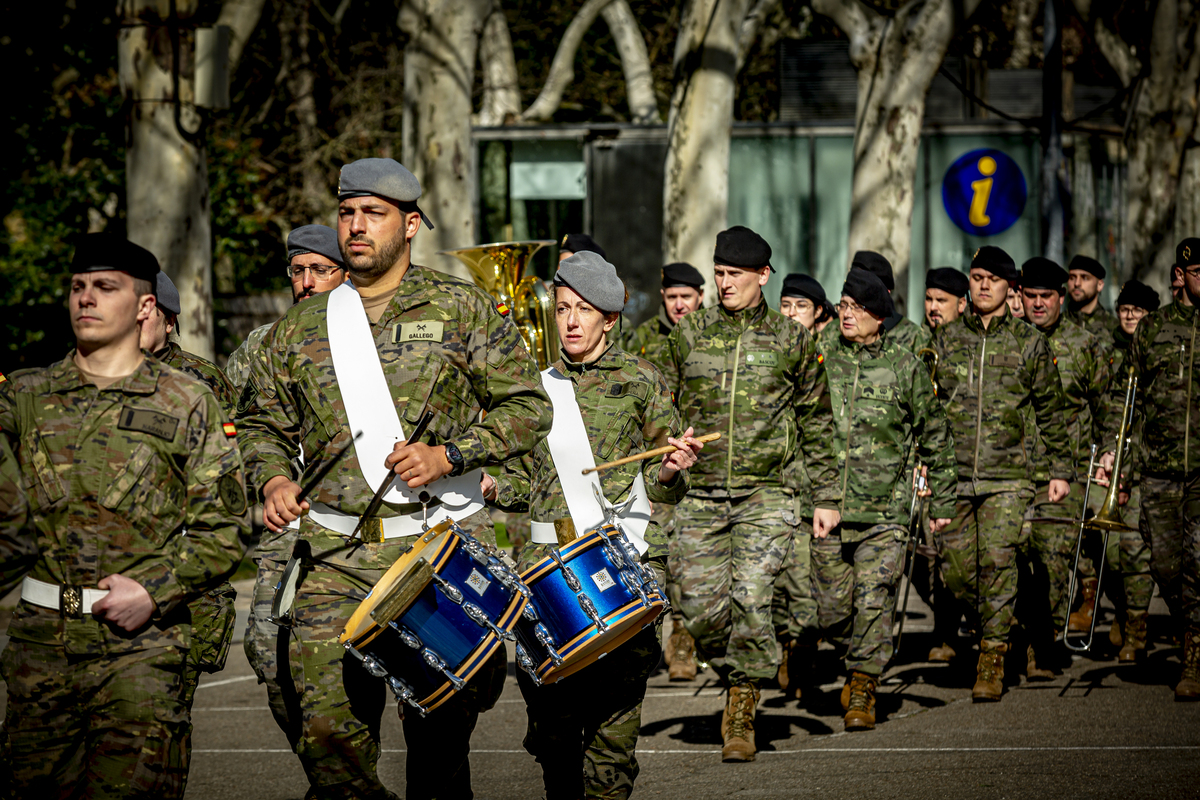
(1098, 731)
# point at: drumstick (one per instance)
(658, 451)
(324, 470)
(377, 500)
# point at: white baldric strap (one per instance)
(371, 408)
(571, 451)
(48, 595)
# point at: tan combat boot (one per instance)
(1081, 620)
(1134, 646)
(860, 712)
(1115, 636)
(1032, 671)
(737, 723)
(1188, 688)
(942, 654)
(783, 677)
(683, 655)
(989, 680)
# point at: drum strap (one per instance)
(370, 407)
(571, 452)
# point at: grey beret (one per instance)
(168, 295)
(319, 239)
(381, 177)
(593, 279)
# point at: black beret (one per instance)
(581, 243)
(381, 177)
(1042, 273)
(741, 247)
(319, 239)
(1087, 264)
(866, 288)
(1187, 253)
(1136, 293)
(681, 273)
(167, 294)
(96, 252)
(874, 262)
(797, 285)
(948, 279)
(996, 261)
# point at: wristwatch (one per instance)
(456, 460)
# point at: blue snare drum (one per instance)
(435, 617)
(588, 598)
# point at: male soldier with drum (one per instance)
(136, 496)
(991, 368)
(398, 339)
(1085, 282)
(625, 407)
(755, 376)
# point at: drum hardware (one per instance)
(450, 590)
(568, 574)
(658, 451)
(478, 616)
(376, 525)
(407, 636)
(405, 694)
(526, 663)
(543, 636)
(436, 661)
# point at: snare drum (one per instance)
(588, 598)
(436, 616)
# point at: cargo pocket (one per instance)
(213, 617)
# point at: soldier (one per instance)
(754, 375)
(573, 243)
(121, 453)
(899, 327)
(682, 293)
(597, 711)
(1163, 354)
(1085, 282)
(887, 410)
(1083, 363)
(990, 369)
(372, 356)
(1015, 306)
(802, 299)
(314, 266)
(18, 546)
(945, 296)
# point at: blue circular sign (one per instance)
(984, 192)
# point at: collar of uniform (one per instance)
(1182, 310)
(975, 322)
(65, 376)
(1121, 339)
(871, 350)
(664, 320)
(412, 291)
(747, 316)
(895, 319)
(1053, 328)
(165, 353)
(574, 369)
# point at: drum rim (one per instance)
(581, 545)
(628, 613)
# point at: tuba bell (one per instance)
(499, 269)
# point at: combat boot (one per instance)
(942, 654)
(1081, 620)
(683, 655)
(737, 723)
(1115, 635)
(1032, 671)
(860, 711)
(989, 679)
(1188, 688)
(784, 679)
(1134, 647)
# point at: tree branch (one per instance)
(635, 62)
(851, 16)
(242, 18)
(501, 102)
(562, 70)
(751, 25)
(1118, 54)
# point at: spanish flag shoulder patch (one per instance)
(2, 377)
(820, 358)
(503, 309)
(229, 428)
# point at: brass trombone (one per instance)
(930, 357)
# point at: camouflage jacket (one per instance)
(884, 409)
(18, 544)
(143, 478)
(478, 362)
(205, 371)
(755, 377)
(1108, 420)
(988, 378)
(904, 333)
(1085, 369)
(1163, 353)
(237, 368)
(1099, 323)
(649, 340)
(626, 408)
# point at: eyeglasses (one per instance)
(1193, 270)
(319, 271)
(853, 308)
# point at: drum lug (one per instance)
(405, 694)
(530, 612)
(635, 584)
(407, 636)
(589, 608)
(568, 575)
(449, 589)
(372, 666)
(526, 663)
(480, 618)
(614, 554)
(435, 661)
(543, 635)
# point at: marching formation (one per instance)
(763, 479)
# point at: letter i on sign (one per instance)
(982, 192)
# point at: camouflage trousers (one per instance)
(854, 583)
(664, 515)
(793, 605)
(978, 550)
(1170, 524)
(213, 619)
(341, 706)
(1046, 559)
(1128, 557)
(110, 726)
(726, 555)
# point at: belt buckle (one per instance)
(372, 530)
(70, 601)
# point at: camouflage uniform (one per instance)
(292, 400)
(114, 478)
(756, 377)
(905, 333)
(988, 377)
(626, 408)
(1100, 323)
(885, 409)
(237, 368)
(18, 546)
(204, 371)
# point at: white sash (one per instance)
(370, 408)
(571, 451)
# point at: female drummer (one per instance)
(626, 408)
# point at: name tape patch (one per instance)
(997, 360)
(145, 421)
(762, 359)
(422, 331)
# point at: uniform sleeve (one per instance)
(1050, 410)
(18, 542)
(814, 422)
(1099, 388)
(513, 484)
(935, 443)
(268, 416)
(662, 420)
(676, 356)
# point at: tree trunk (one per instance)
(696, 180)
(635, 62)
(297, 71)
(501, 102)
(1022, 49)
(439, 73)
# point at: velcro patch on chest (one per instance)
(638, 390)
(154, 423)
(762, 359)
(420, 331)
(1001, 360)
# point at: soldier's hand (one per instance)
(279, 503)
(1058, 490)
(1104, 468)
(128, 605)
(921, 482)
(1122, 498)
(825, 520)
(418, 464)
(683, 457)
(487, 486)
(936, 525)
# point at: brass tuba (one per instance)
(498, 269)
